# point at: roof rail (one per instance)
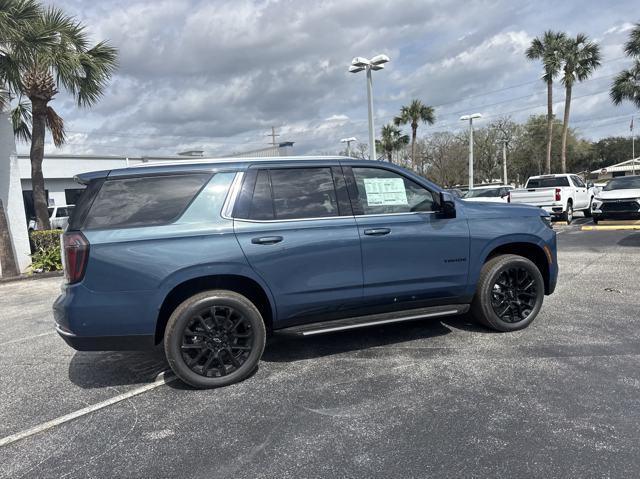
(189, 161)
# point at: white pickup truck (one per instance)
(560, 195)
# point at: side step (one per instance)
(323, 327)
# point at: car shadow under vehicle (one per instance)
(90, 370)
(116, 368)
(284, 348)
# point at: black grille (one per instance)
(620, 205)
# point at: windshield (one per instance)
(483, 193)
(547, 182)
(623, 183)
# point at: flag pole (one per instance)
(633, 149)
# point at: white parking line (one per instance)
(161, 379)
(28, 337)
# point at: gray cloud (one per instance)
(217, 75)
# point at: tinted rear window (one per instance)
(548, 182)
(303, 193)
(145, 201)
(84, 202)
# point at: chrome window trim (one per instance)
(232, 195)
(334, 217)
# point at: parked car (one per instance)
(619, 199)
(58, 217)
(458, 193)
(560, 195)
(491, 193)
(210, 256)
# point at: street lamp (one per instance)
(359, 64)
(504, 141)
(470, 118)
(348, 142)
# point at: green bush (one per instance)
(47, 255)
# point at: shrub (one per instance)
(46, 256)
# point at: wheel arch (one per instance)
(532, 251)
(241, 284)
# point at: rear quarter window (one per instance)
(143, 201)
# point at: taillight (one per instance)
(75, 253)
(558, 190)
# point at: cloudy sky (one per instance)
(216, 75)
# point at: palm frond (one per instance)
(21, 121)
(626, 86)
(632, 47)
(55, 124)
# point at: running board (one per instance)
(323, 327)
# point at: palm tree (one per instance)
(548, 49)
(580, 57)
(39, 57)
(414, 114)
(391, 139)
(626, 85)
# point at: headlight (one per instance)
(547, 221)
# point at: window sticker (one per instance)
(385, 191)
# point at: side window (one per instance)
(303, 193)
(382, 191)
(61, 213)
(261, 207)
(578, 181)
(143, 201)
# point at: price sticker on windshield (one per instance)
(385, 192)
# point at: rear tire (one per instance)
(509, 294)
(568, 215)
(215, 338)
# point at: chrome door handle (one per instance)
(267, 240)
(377, 231)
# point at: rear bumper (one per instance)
(91, 321)
(106, 343)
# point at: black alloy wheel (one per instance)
(216, 341)
(514, 295)
(214, 338)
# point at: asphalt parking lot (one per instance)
(423, 399)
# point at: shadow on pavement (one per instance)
(116, 368)
(631, 240)
(282, 348)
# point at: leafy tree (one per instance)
(548, 48)
(391, 140)
(414, 114)
(580, 57)
(43, 51)
(626, 85)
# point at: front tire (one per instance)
(214, 339)
(509, 294)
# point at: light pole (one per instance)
(504, 160)
(348, 142)
(470, 118)
(359, 64)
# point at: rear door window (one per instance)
(303, 193)
(143, 201)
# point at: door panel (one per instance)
(315, 269)
(422, 257)
(410, 255)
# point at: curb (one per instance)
(32, 277)
(610, 227)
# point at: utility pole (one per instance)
(633, 149)
(504, 160)
(273, 135)
(470, 119)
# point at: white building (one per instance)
(625, 168)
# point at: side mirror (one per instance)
(590, 184)
(447, 206)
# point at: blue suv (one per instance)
(210, 256)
